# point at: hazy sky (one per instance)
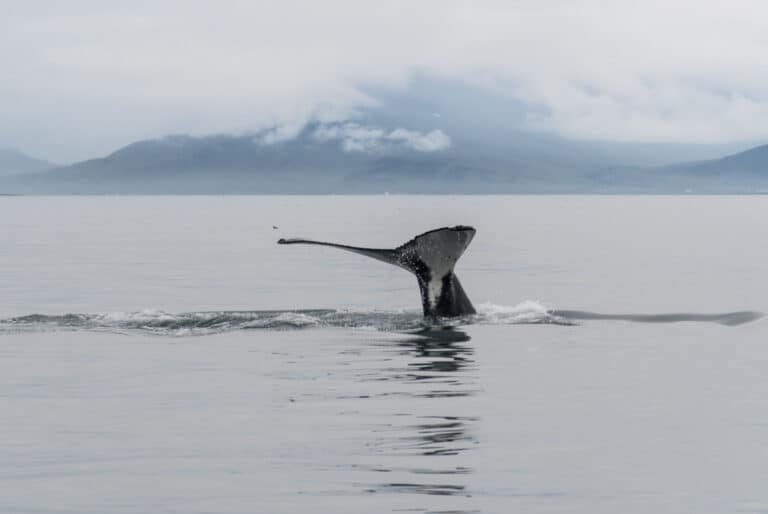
(81, 78)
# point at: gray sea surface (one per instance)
(164, 355)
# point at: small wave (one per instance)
(528, 312)
(200, 323)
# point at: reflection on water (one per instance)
(441, 437)
(441, 489)
(437, 351)
(422, 447)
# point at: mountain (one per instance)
(211, 164)
(750, 163)
(344, 157)
(434, 136)
(352, 157)
(13, 162)
(742, 172)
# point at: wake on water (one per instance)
(202, 323)
(192, 323)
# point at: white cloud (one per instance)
(82, 77)
(281, 132)
(354, 137)
(429, 142)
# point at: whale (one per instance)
(430, 256)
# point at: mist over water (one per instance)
(165, 354)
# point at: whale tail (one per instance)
(430, 256)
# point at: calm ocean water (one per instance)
(163, 354)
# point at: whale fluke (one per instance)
(430, 256)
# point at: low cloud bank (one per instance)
(354, 137)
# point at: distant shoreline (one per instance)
(112, 195)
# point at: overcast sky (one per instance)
(82, 78)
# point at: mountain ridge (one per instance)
(15, 162)
(751, 161)
(365, 157)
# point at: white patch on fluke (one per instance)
(435, 288)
